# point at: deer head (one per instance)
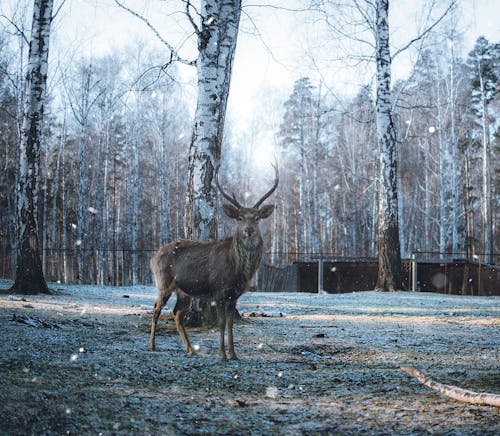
(247, 217)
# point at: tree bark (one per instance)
(389, 257)
(486, 175)
(29, 274)
(216, 44)
(217, 38)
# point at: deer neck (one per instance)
(247, 254)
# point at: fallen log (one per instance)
(459, 394)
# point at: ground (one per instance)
(78, 363)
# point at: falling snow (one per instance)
(328, 364)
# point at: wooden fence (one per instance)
(461, 277)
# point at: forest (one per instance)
(115, 154)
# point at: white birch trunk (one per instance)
(135, 217)
(389, 276)
(373, 227)
(486, 203)
(103, 245)
(44, 235)
(443, 169)
(216, 43)
(164, 195)
(29, 274)
(453, 160)
(402, 221)
(82, 205)
(427, 195)
(55, 192)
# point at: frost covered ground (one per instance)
(78, 363)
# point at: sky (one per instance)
(273, 44)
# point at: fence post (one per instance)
(413, 273)
(320, 277)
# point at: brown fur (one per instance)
(219, 271)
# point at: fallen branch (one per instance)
(459, 394)
(34, 322)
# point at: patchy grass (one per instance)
(316, 364)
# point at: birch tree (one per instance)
(217, 35)
(389, 257)
(215, 25)
(29, 275)
(83, 92)
(216, 31)
(366, 24)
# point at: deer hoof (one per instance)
(233, 357)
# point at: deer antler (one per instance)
(268, 193)
(232, 199)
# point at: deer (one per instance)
(217, 270)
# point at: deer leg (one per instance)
(159, 305)
(230, 311)
(183, 302)
(221, 320)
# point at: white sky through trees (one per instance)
(274, 45)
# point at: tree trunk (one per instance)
(82, 207)
(135, 213)
(443, 166)
(486, 203)
(29, 274)
(453, 158)
(217, 44)
(389, 257)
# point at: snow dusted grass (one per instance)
(309, 364)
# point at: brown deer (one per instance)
(219, 271)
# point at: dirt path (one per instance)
(78, 363)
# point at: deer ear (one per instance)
(231, 211)
(266, 211)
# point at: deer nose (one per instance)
(249, 231)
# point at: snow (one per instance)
(309, 363)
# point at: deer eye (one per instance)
(240, 218)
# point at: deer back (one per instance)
(201, 268)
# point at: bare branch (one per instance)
(369, 20)
(58, 10)
(351, 22)
(18, 30)
(282, 8)
(174, 55)
(190, 17)
(424, 34)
